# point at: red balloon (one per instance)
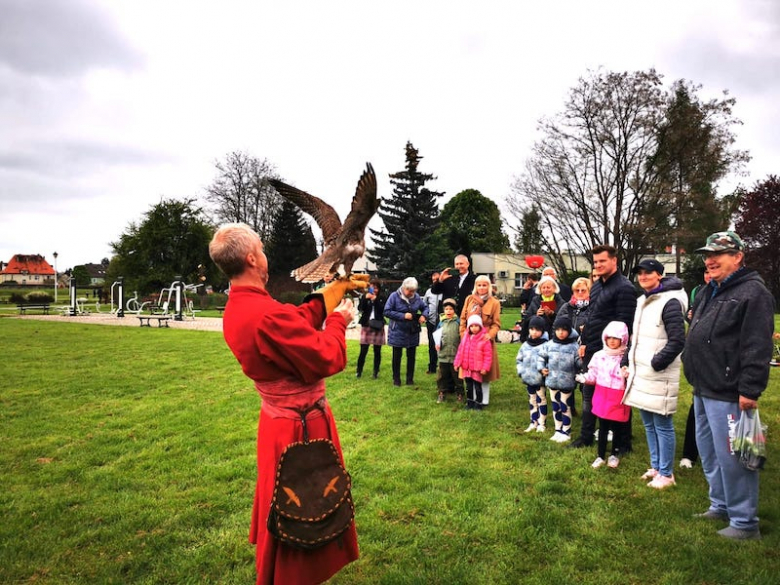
(534, 261)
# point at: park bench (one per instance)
(23, 307)
(162, 320)
(220, 309)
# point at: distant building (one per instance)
(509, 271)
(27, 270)
(97, 274)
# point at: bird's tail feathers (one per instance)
(314, 271)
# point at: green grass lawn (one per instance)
(128, 456)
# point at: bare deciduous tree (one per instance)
(600, 174)
(241, 193)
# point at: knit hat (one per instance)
(562, 322)
(537, 323)
(474, 320)
(449, 303)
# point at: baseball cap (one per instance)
(650, 265)
(726, 241)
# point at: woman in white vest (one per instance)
(653, 360)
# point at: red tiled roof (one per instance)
(28, 264)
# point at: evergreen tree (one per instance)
(694, 152)
(530, 239)
(408, 246)
(290, 244)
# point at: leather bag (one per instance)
(312, 500)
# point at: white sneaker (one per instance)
(540, 428)
(597, 463)
(613, 461)
(556, 437)
(686, 463)
(531, 428)
(563, 438)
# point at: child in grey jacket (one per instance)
(561, 361)
(529, 368)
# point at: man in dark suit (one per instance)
(457, 286)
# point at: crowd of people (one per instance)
(624, 350)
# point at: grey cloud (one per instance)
(74, 157)
(715, 63)
(60, 38)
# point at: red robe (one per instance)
(284, 349)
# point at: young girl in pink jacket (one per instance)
(473, 360)
(604, 371)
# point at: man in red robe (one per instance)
(287, 352)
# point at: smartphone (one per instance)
(370, 290)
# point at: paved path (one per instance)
(199, 323)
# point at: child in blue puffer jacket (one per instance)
(529, 368)
(561, 363)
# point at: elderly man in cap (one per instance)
(726, 360)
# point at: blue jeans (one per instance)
(733, 489)
(660, 441)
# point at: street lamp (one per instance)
(55, 276)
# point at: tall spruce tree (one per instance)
(290, 244)
(407, 245)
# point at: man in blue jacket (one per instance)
(726, 360)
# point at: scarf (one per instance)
(619, 351)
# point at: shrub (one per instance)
(39, 297)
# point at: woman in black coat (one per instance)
(545, 303)
(371, 307)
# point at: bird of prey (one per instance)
(343, 244)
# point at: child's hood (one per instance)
(615, 329)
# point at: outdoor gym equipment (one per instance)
(75, 304)
(176, 295)
(133, 306)
(119, 285)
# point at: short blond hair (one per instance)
(582, 280)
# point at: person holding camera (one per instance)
(372, 327)
(456, 286)
(407, 313)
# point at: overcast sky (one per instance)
(107, 106)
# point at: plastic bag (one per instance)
(750, 440)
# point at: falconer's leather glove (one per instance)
(333, 292)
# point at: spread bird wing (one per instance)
(364, 203)
(325, 216)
